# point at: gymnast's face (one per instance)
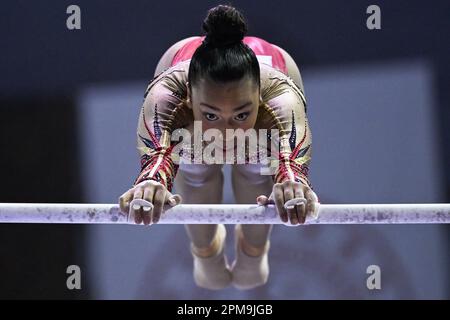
(222, 106)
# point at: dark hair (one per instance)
(223, 56)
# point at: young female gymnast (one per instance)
(226, 80)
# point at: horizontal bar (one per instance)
(228, 214)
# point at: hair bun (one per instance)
(224, 25)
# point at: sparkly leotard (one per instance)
(164, 110)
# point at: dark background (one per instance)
(43, 64)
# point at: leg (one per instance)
(200, 184)
(251, 267)
(166, 59)
(203, 184)
(292, 68)
(248, 184)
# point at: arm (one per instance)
(153, 136)
(158, 170)
(295, 138)
(287, 106)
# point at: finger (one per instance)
(147, 211)
(278, 198)
(288, 191)
(178, 199)
(137, 210)
(158, 202)
(124, 201)
(262, 200)
(300, 208)
(173, 199)
(312, 206)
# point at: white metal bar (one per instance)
(229, 214)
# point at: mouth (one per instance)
(225, 146)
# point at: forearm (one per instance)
(294, 165)
(158, 168)
(155, 149)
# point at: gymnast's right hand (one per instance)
(153, 192)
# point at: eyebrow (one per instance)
(218, 109)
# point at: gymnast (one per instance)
(226, 80)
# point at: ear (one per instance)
(188, 96)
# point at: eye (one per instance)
(242, 116)
(210, 116)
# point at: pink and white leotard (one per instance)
(264, 51)
(164, 110)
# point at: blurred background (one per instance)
(379, 109)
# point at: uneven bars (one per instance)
(435, 213)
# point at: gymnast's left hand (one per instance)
(288, 190)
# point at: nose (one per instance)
(232, 124)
